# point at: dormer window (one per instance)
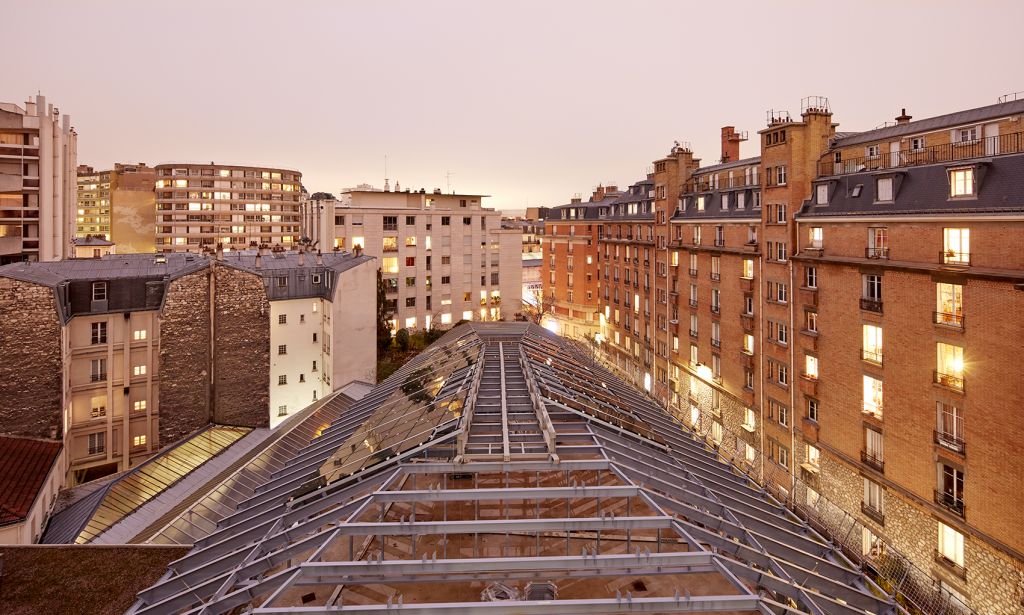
(961, 182)
(725, 201)
(821, 194)
(883, 189)
(917, 144)
(700, 203)
(856, 190)
(871, 151)
(966, 135)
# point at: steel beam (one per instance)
(524, 493)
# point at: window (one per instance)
(693, 354)
(98, 369)
(871, 151)
(139, 406)
(872, 404)
(700, 203)
(813, 456)
(139, 370)
(282, 319)
(811, 277)
(446, 260)
(873, 287)
(446, 221)
(949, 429)
(956, 245)
(873, 451)
(99, 333)
(917, 144)
(748, 269)
(99, 291)
(390, 223)
(748, 343)
(97, 443)
(874, 497)
(282, 349)
(883, 189)
(783, 414)
(139, 334)
(410, 220)
(872, 350)
(282, 410)
(811, 320)
(98, 406)
(951, 488)
(282, 282)
(966, 135)
(878, 242)
(783, 374)
(410, 281)
(951, 545)
(961, 182)
(811, 367)
(780, 214)
(410, 261)
(389, 244)
(749, 420)
(821, 194)
(139, 440)
(716, 267)
(950, 365)
(816, 236)
(467, 220)
(409, 302)
(282, 379)
(781, 292)
(949, 304)
(812, 409)
(780, 172)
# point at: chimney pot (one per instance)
(903, 118)
(259, 261)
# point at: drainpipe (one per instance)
(211, 384)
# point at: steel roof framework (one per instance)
(624, 479)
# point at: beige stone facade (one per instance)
(38, 153)
(118, 205)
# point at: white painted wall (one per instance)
(306, 383)
(353, 326)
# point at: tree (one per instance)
(402, 339)
(383, 316)
(534, 312)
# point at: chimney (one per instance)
(576, 199)
(259, 261)
(903, 118)
(319, 257)
(302, 257)
(598, 194)
(730, 144)
(220, 251)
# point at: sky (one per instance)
(529, 102)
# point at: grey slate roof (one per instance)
(959, 118)
(92, 240)
(925, 190)
(110, 267)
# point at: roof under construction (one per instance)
(504, 470)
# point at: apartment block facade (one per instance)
(118, 205)
(570, 251)
(237, 207)
(444, 257)
(813, 320)
(119, 356)
(38, 156)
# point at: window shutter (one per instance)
(954, 136)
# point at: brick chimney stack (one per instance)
(903, 118)
(730, 144)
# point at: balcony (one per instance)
(1012, 143)
(948, 319)
(693, 303)
(98, 377)
(873, 461)
(950, 381)
(716, 343)
(950, 442)
(716, 309)
(871, 356)
(693, 273)
(955, 258)
(693, 333)
(719, 242)
(876, 252)
(872, 513)
(715, 276)
(871, 305)
(950, 502)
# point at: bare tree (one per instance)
(534, 312)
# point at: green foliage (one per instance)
(402, 339)
(383, 317)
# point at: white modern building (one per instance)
(38, 182)
(443, 257)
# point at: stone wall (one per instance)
(185, 357)
(242, 333)
(30, 372)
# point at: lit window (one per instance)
(956, 245)
(139, 440)
(389, 264)
(813, 456)
(949, 304)
(748, 343)
(139, 370)
(816, 236)
(950, 365)
(748, 268)
(951, 544)
(98, 406)
(446, 318)
(811, 367)
(139, 334)
(139, 405)
(873, 344)
(961, 182)
(749, 420)
(410, 323)
(358, 243)
(467, 315)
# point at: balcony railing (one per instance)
(948, 319)
(719, 242)
(693, 333)
(872, 460)
(715, 309)
(953, 257)
(872, 513)
(1012, 143)
(882, 252)
(716, 276)
(98, 377)
(951, 381)
(716, 343)
(871, 356)
(950, 502)
(951, 442)
(693, 273)
(693, 303)
(871, 305)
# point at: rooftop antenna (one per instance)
(387, 187)
(448, 182)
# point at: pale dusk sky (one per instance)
(530, 102)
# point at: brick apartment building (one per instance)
(753, 298)
(569, 280)
(115, 358)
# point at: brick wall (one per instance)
(184, 357)
(30, 373)
(242, 330)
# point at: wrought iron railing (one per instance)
(997, 145)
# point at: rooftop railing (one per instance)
(995, 145)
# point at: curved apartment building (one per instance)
(207, 204)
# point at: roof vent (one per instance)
(496, 592)
(544, 590)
